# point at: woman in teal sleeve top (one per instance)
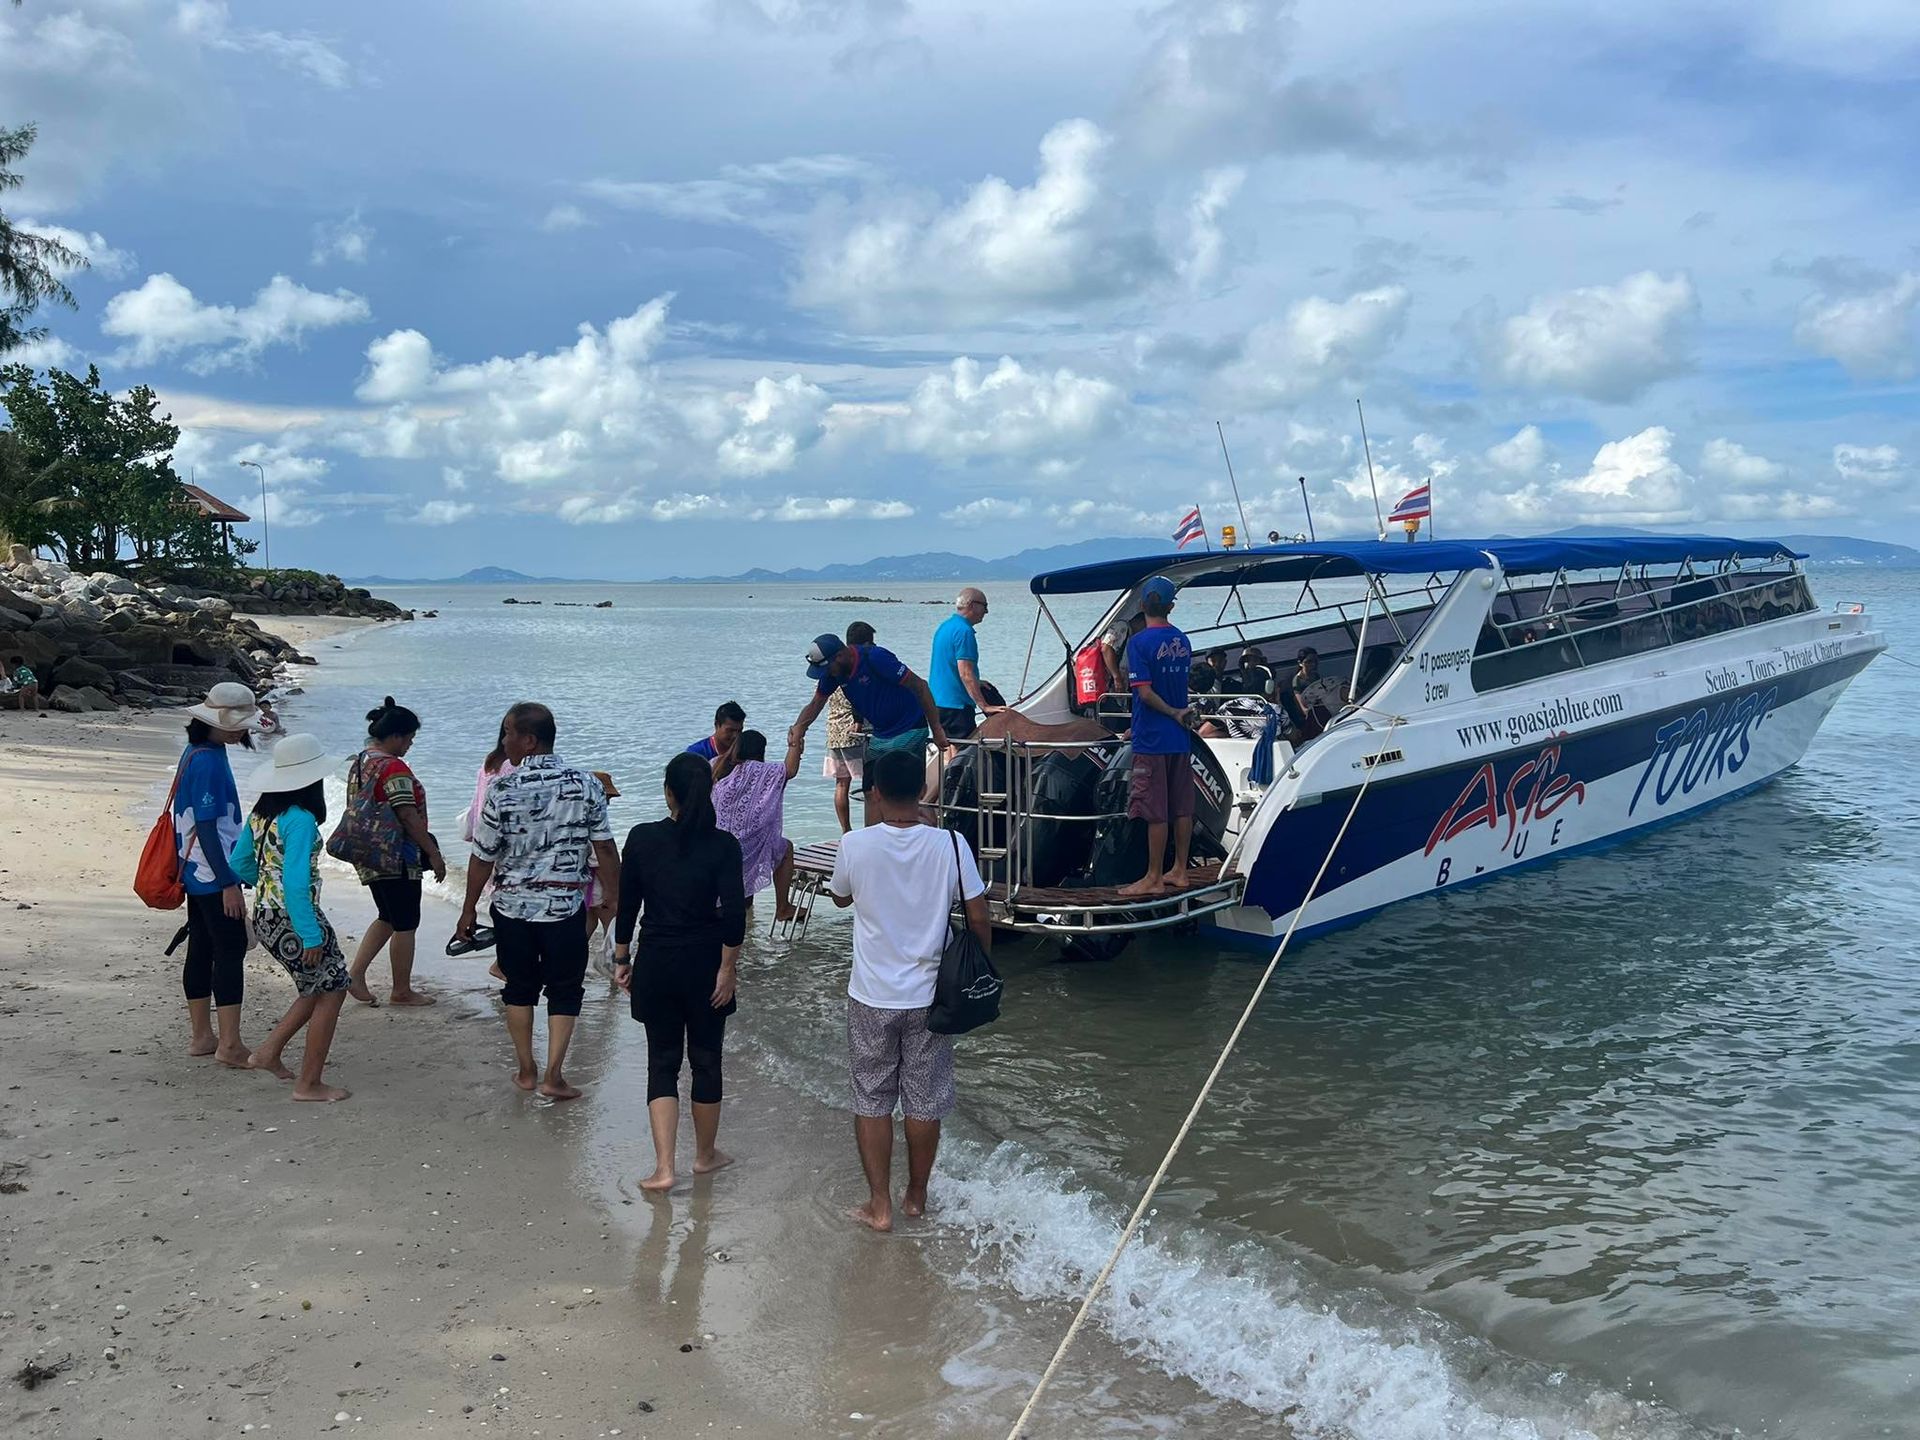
(277, 854)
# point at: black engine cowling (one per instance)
(1120, 852)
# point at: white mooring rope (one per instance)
(1153, 1186)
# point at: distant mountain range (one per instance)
(485, 575)
(933, 566)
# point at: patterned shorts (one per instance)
(276, 934)
(896, 1061)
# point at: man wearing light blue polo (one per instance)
(954, 674)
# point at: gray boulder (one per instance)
(21, 604)
(79, 608)
(81, 674)
(97, 699)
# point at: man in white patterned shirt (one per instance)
(536, 833)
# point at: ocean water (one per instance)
(1626, 1145)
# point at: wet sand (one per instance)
(213, 1256)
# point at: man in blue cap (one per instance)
(894, 702)
(1160, 790)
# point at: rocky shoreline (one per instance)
(105, 642)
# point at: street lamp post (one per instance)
(266, 535)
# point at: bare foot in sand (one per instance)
(497, 973)
(706, 1165)
(325, 1094)
(357, 988)
(913, 1204)
(412, 997)
(202, 1045)
(270, 1064)
(1142, 888)
(234, 1059)
(875, 1215)
(525, 1078)
(557, 1088)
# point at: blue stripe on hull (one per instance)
(1397, 818)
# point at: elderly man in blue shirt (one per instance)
(954, 674)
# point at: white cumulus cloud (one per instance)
(1605, 342)
(1869, 330)
(349, 239)
(1872, 465)
(442, 512)
(1725, 460)
(102, 259)
(162, 317)
(1318, 341)
(776, 421)
(1521, 453)
(1002, 249)
(962, 412)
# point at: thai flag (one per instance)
(1416, 504)
(1189, 529)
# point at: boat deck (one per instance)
(1065, 910)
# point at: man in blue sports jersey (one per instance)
(894, 702)
(1160, 791)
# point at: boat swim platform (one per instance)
(1062, 910)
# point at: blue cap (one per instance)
(1161, 586)
(820, 655)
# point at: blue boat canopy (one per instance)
(1271, 564)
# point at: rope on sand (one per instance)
(1153, 1186)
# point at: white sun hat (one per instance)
(297, 762)
(228, 706)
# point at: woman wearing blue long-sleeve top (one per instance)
(276, 854)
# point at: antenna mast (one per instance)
(1379, 519)
(1244, 528)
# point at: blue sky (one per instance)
(628, 289)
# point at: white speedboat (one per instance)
(1505, 702)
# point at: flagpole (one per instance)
(1430, 532)
(1205, 538)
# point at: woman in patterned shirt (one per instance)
(846, 743)
(396, 892)
(276, 855)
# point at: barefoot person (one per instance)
(206, 822)
(901, 877)
(846, 742)
(893, 702)
(276, 855)
(750, 804)
(397, 819)
(681, 877)
(1161, 789)
(536, 831)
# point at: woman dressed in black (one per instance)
(681, 877)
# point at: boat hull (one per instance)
(1557, 793)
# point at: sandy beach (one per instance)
(197, 1256)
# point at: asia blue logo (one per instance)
(1694, 750)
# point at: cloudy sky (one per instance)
(624, 288)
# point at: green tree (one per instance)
(90, 475)
(30, 264)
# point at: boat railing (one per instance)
(996, 816)
(1663, 620)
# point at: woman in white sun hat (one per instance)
(206, 822)
(278, 855)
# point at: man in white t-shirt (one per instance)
(901, 878)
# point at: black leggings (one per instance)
(216, 952)
(694, 1034)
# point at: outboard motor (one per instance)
(1066, 782)
(1120, 852)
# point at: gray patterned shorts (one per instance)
(277, 937)
(896, 1060)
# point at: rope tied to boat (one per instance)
(1019, 1429)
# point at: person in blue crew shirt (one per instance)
(895, 703)
(718, 748)
(954, 673)
(1160, 792)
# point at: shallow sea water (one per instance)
(1625, 1145)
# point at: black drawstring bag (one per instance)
(967, 993)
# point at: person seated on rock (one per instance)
(23, 684)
